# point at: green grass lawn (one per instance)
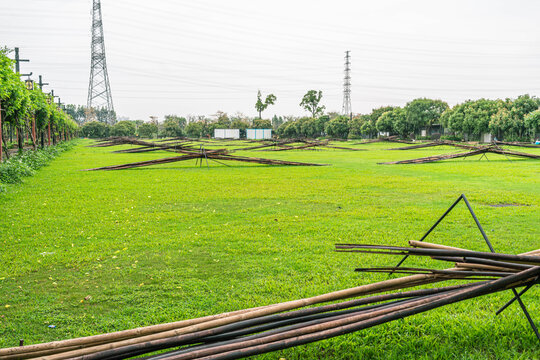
(176, 241)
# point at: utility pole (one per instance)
(347, 108)
(18, 62)
(99, 89)
(41, 83)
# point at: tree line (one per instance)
(510, 120)
(27, 112)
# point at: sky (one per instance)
(199, 57)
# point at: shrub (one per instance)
(24, 164)
(95, 130)
(451, 137)
(124, 128)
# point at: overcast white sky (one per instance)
(197, 57)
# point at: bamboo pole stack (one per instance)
(268, 328)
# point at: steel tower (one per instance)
(99, 89)
(347, 108)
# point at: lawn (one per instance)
(94, 252)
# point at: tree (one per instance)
(171, 128)
(338, 127)
(261, 106)
(106, 116)
(148, 130)
(356, 126)
(262, 124)
(310, 102)
(385, 123)
(501, 122)
(95, 130)
(124, 128)
(521, 107)
(424, 113)
(308, 127)
(400, 123)
(194, 129)
(321, 124)
(277, 121)
(182, 122)
(532, 123)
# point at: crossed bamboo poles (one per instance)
(190, 153)
(473, 150)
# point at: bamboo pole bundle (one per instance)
(474, 151)
(107, 342)
(518, 144)
(258, 330)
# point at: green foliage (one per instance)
(308, 128)
(148, 130)
(423, 113)
(124, 128)
(95, 130)
(24, 164)
(356, 126)
(310, 102)
(385, 123)
(277, 121)
(171, 128)
(532, 122)
(77, 112)
(261, 124)
(181, 121)
(261, 105)
(194, 129)
(338, 127)
(20, 104)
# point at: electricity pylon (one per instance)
(99, 89)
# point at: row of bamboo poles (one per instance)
(190, 152)
(275, 327)
(474, 150)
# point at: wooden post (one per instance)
(34, 138)
(49, 131)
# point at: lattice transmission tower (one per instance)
(347, 108)
(99, 89)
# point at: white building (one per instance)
(259, 134)
(227, 133)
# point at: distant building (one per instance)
(227, 133)
(487, 138)
(259, 134)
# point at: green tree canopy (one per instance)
(261, 105)
(124, 128)
(310, 102)
(148, 130)
(424, 113)
(338, 127)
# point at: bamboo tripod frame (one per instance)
(517, 296)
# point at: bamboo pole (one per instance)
(110, 337)
(396, 250)
(280, 334)
(426, 245)
(273, 309)
(341, 327)
(483, 267)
